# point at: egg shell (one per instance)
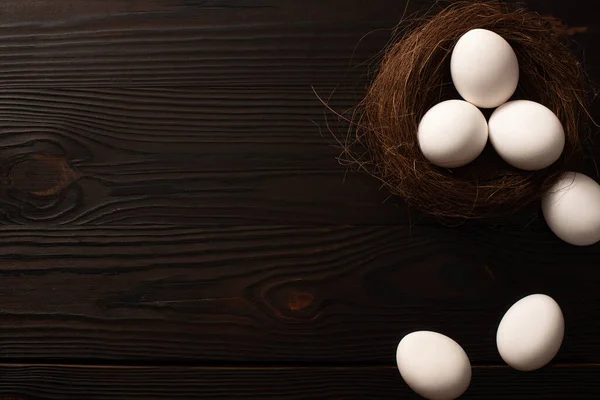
(572, 209)
(531, 332)
(484, 68)
(433, 365)
(452, 133)
(526, 134)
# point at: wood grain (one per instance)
(48, 382)
(62, 43)
(293, 294)
(189, 156)
(177, 42)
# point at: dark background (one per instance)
(174, 223)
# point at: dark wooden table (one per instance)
(175, 225)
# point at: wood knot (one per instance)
(41, 175)
(300, 300)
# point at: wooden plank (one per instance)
(291, 294)
(169, 42)
(186, 156)
(189, 156)
(46, 382)
(63, 43)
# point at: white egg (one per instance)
(484, 68)
(433, 365)
(452, 133)
(531, 332)
(526, 134)
(572, 209)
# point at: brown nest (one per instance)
(414, 76)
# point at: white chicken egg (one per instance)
(452, 133)
(484, 68)
(433, 365)
(572, 209)
(526, 134)
(531, 332)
